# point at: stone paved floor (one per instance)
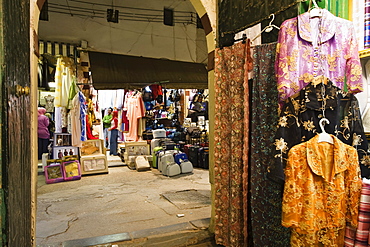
(121, 201)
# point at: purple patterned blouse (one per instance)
(312, 47)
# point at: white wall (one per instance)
(150, 39)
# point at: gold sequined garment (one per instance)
(321, 192)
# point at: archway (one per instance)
(36, 6)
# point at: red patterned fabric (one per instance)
(231, 117)
(360, 237)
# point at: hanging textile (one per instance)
(367, 24)
(63, 81)
(321, 192)
(83, 113)
(265, 195)
(135, 111)
(299, 122)
(76, 122)
(230, 78)
(304, 56)
(358, 18)
(360, 236)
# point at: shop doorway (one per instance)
(40, 36)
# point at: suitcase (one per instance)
(181, 157)
(186, 167)
(203, 158)
(147, 135)
(186, 149)
(155, 143)
(71, 170)
(171, 169)
(141, 163)
(159, 142)
(193, 155)
(159, 133)
(164, 159)
(155, 153)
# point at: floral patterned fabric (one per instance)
(299, 122)
(265, 195)
(321, 192)
(231, 65)
(309, 48)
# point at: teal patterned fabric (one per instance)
(265, 195)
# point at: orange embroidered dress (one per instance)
(321, 192)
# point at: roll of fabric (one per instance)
(358, 18)
(367, 24)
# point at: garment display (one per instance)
(312, 47)
(358, 19)
(63, 81)
(360, 236)
(135, 111)
(265, 195)
(367, 24)
(76, 122)
(299, 122)
(321, 192)
(125, 122)
(231, 78)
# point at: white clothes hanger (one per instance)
(268, 28)
(316, 11)
(323, 136)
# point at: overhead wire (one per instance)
(81, 11)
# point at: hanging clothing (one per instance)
(358, 18)
(321, 192)
(231, 124)
(89, 133)
(299, 122)
(125, 122)
(58, 119)
(299, 61)
(73, 90)
(76, 129)
(265, 195)
(83, 112)
(367, 25)
(106, 98)
(156, 90)
(360, 237)
(63, 81)
(135, 111)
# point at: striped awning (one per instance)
(55, 48)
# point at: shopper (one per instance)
(107, 119)
(42, 132)
(113, 134)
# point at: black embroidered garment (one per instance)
(299, 122)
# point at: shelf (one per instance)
(364, 53)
